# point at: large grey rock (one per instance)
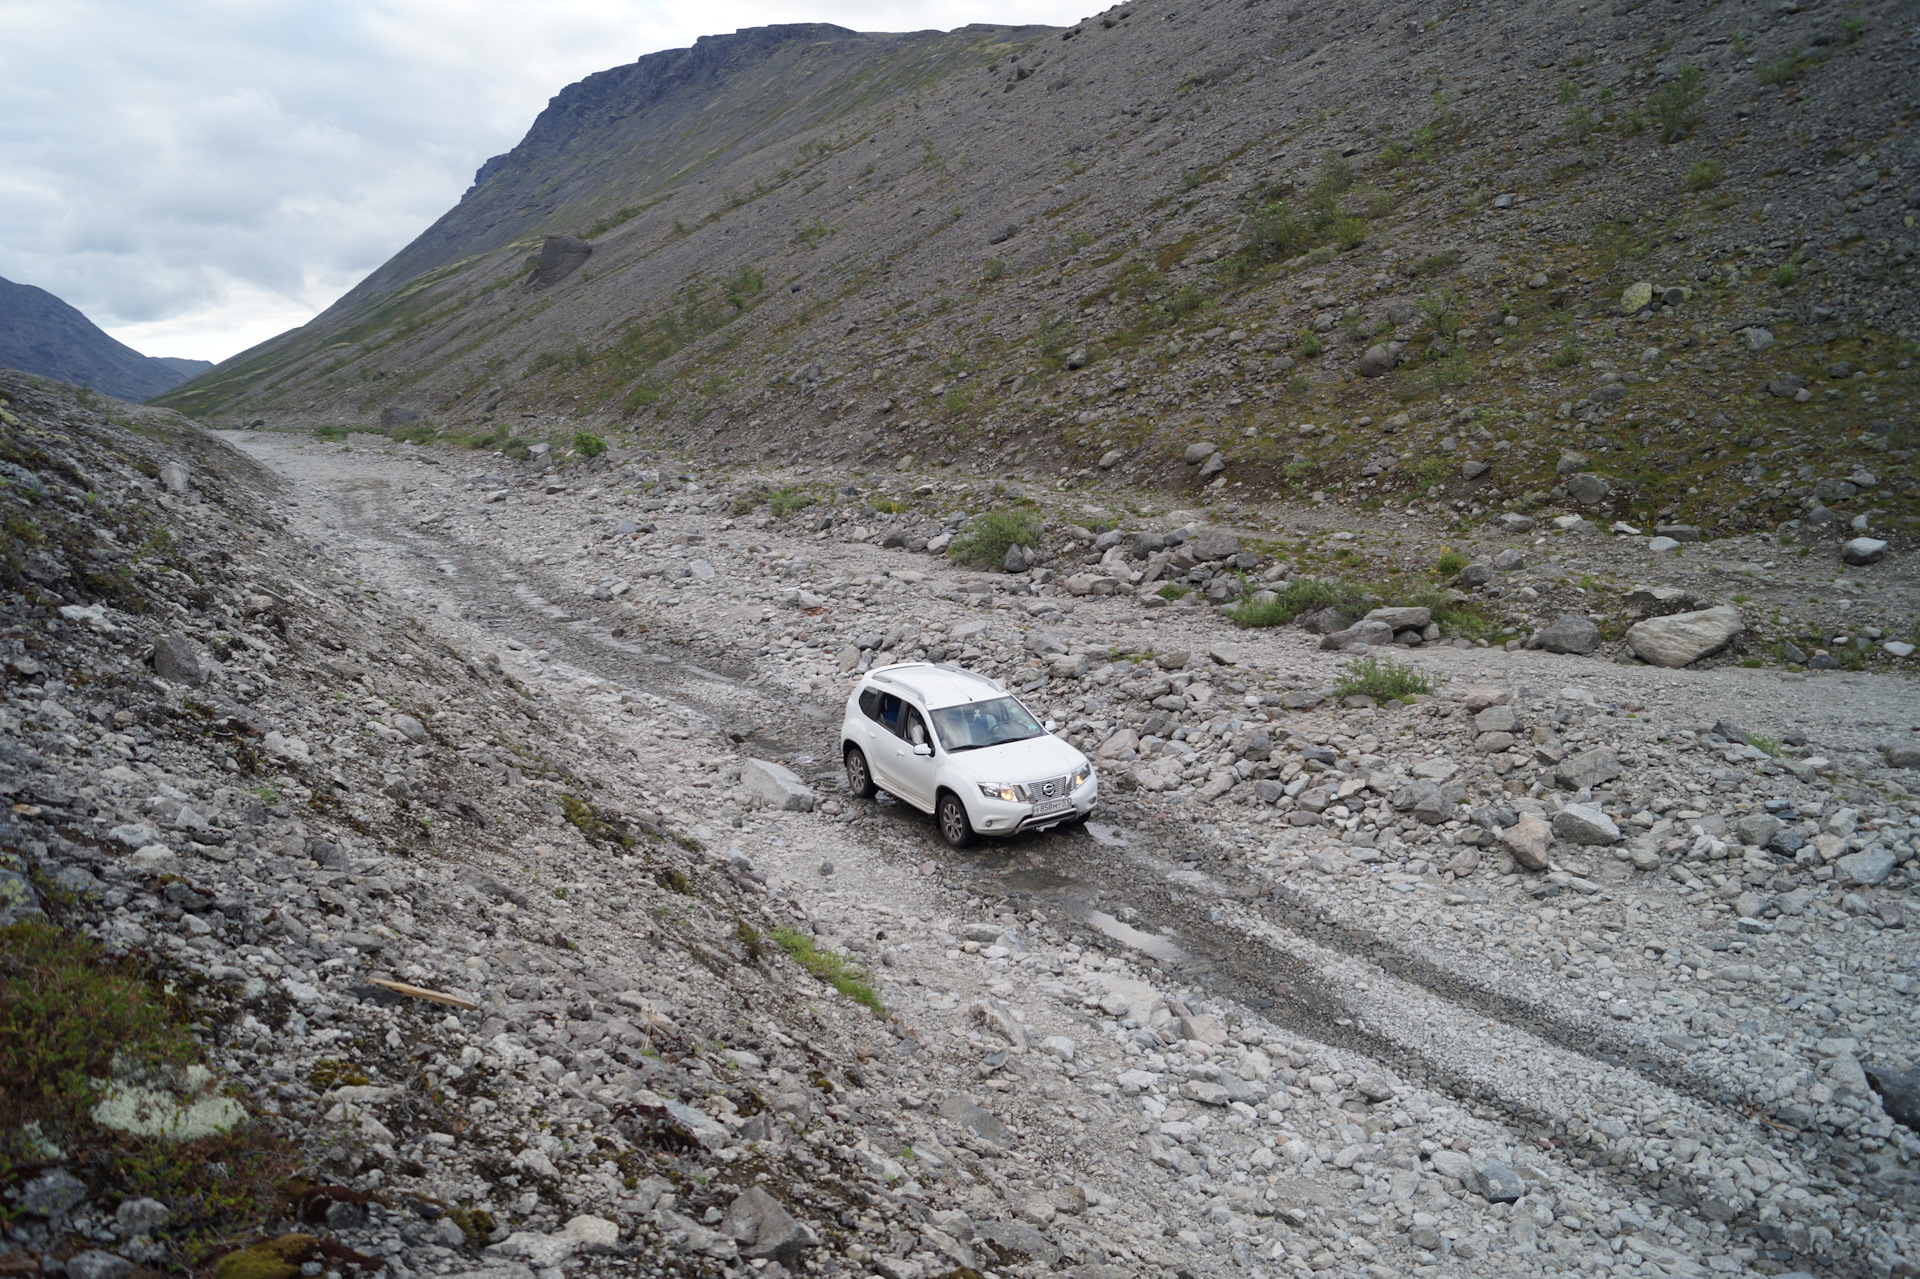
(1587, 488)
(1213, 465)
(1569, 633)
(1588, 769)
(1496, 719)
(1213, 544)
(1358, 633)
(1863, 551)
(174, 659)
(1198, 452)
(1585, 824)
(764, 1228)
(560, 256)
(96, 1264)
(1680, 638)
(776, 786)
(1401, 619)
(1867, 868)
(1494, 1181)
(1899, 1094)
(1380, 359)
(1528, 839)
(393, 415)
(1757, 829)
(51, 1193)
(1323, 621)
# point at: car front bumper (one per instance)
(998, 817)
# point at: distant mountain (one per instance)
(41, 334)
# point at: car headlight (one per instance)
(1080, 777)
(1005, 793)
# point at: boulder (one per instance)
(1213, 466)
(1475, 575)
(1401, 619)
(1588, 769)
(560, 256)
(1636, 297)
(1862, 551)
(1212, 544)
(776, 786)
(393, 415)
(1569, 633)
(1585, 824)
(1380, 360)
(1496, 719)
(1199, 452)
(763, 1227)
(1587, 488)
(174, 659)
(1323, 622)
(1757, 829)
(1867, 868)
(1358, 633)
(1680, 638)
(1495, 1182)
(1528, 840)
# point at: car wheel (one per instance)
(859, 777)
(951, 814)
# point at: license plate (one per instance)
(1051, 806)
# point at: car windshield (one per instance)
(965, 728)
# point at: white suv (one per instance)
(959, 746)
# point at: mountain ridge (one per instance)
(42, 334)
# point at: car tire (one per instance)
(859, 776)
(950, 815)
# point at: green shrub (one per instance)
(1302, 597)
(1450, 563)
(1429, 471)
(1569, 353)
(516, 448)
(1675, 105)
(985, 543)
(544, 361)
(588, 445)
(331, 433)
(995, 268)
(956, 401)
(1172, 592)
(849, 979)
(1783, 70)
(1309, 344)
(1454, 370)
(418, 433)
(1442, 310)
(1703, 175)
(1438, 263)
(1382, 680)
(784, 502)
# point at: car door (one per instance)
(883, 739)
(913, 770)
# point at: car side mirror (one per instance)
(921, 748)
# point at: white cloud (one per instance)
(201, 175)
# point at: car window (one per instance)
(889, 716)
(916, 729)
(989, 723)
(870, 703)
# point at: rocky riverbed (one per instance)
(497, 816)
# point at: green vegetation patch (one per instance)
(849, 979)
(1383, 680)
(1303, 597)
(985, 543)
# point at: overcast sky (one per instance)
(199, 175)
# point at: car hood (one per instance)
(1031, 760)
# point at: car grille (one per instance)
(1049, 788)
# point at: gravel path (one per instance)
(1664, 1043)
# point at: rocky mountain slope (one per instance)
(41, 334)
(1375, 256)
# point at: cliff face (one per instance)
(622, 136)
(41, 334)
(1026, 249)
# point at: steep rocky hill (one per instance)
(1673, 241)
(41, 334)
